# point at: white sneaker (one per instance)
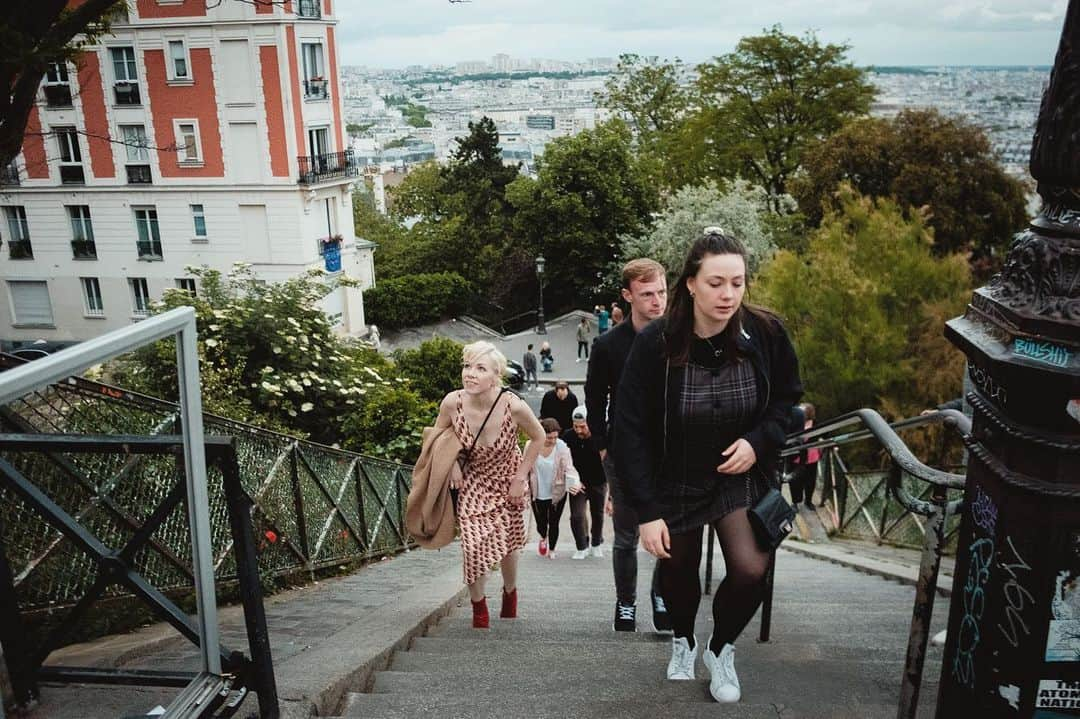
(681, 666)
(580, 554)
(724, 683)
(598, 552)
(578, 359)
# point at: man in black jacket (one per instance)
(559, 403)
(644, 287)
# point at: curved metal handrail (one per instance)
(874, 425)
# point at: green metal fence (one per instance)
(314, 506)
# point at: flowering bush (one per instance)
(269, 356)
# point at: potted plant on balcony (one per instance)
(317, 86)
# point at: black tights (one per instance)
(738, 596)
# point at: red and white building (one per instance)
(190, 136)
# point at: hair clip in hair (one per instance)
(713, 230)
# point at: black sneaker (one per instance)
(625, 618)
(661, 620)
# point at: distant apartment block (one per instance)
(197, 134)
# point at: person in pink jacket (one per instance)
(550, 479)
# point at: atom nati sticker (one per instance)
(1060, 695)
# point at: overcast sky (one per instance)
(396, 33)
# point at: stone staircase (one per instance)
(836, 651)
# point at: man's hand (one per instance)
(609, 507)
(655, 538)
(603, 455)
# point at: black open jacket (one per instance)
(643, 456)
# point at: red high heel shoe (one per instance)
(509, 605)
(480, 617)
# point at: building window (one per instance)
(30, 303)
(199, 218)
(56, 87)
(140, 297)
(126, 85)
(19, 247)
(314, 75)
(310, 9)
(71, 169)
(82, 232)
(92, 304)
(149, 243)
(187, 141)
(138, 157)
(187, 284)
(179, 67)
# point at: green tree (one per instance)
(860, 303)
(743, 210)
(649, 93)
(762, 105)
(939, 165)
(433, 368)
(33, 35)
(591, 188)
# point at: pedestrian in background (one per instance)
(494, 482)
(804, 465)
(559, 403)
(584, 329)
(529, 363)
(616, 314)
(704, 400)
(588, 504)
(546, 358)
(602, 319)
(552, 476)
(644, 288)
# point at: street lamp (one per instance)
(540, 328)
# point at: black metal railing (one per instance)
(139, 175)
(41, 475)
(127, 93)
(148, 249)
(84, 249)
(9, 174)
(331, 166)
(20, 250)
(311, 9)
(57, 95)
(72, 175)
(907, 481)
(316, 89)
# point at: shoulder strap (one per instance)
(476, 437)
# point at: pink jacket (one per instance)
(564, 465)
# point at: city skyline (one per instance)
(900, 32)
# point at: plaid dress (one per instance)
(716, 406)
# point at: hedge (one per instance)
(411, 300)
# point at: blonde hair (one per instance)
(476, 350)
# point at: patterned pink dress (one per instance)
(491, 527)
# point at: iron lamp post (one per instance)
(540, 328)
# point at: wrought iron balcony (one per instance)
(139, 175)
(58, 95)
(127, 93)
(315, 89)
(20, 250)
(148, 249)
(72, 175)
(9, 175)
(83, 249)
(332, 166)
(310, 9)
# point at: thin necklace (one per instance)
(717, 353)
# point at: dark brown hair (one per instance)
(550, 424)
(680, 312)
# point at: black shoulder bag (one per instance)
(464, 454)
(771, 517)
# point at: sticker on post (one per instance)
(1058, 694)
(1073, 409)
(1063, 639)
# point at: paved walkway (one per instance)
(838, 644)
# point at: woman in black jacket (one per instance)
(703, 402)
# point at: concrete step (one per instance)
(381, 706)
